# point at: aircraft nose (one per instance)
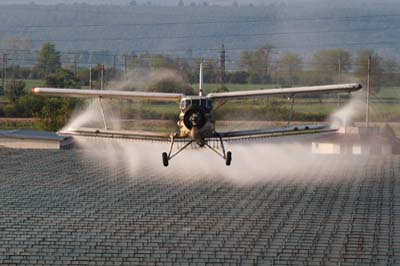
(194, 118)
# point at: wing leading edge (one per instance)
(284, 91)
(132, 95)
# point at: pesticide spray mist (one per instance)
(285, 159)
(253, 161)
(349, 112)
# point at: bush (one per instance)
(63, 78)
(15, 90)
(240, 77)
(54, 114)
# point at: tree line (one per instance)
(261, 66)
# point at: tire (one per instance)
(228, 158)
(165, 159)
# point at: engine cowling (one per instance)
(195, 117)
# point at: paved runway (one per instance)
(55, 209)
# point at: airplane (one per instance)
(196, 123)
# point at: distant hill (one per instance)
(302, 27)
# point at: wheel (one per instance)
(165, 159)
(228, 158)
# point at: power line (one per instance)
(249, 20)
(121, 55)
(275, 46)
(246, 35)
(395, 70)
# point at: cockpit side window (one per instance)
(208, 104)
(183, 104)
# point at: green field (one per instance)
(17, 124)
(235, 87)
(390, 92)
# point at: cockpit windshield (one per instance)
(187, 103)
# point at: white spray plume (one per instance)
(253, 162)
(144, 77)
(346, 115)
(90, 115)
(271, 159)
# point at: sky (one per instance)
(125, 2)
(187, 2)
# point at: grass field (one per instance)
(235, 87)
(14, 123)
(390, 92)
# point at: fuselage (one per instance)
(196, 119)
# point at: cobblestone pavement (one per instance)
(56, 210)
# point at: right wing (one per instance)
(132, 95)
(116, 134)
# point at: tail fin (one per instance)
(201, 80)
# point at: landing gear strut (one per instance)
(227, 156)
(166, 157)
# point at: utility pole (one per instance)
(368, 89)
(339, 79)
(222, 66)
(90, 78)
(114, 67)
(2, 70)
(125, 66)
(101, 68)
(76, 61)
(4, 80)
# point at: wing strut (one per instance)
(102, 114)
(291, 111)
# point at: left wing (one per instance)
(275, 132)
(284, 91)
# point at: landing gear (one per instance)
(165, 159)
(228, 158)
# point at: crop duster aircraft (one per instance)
(196, 123)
